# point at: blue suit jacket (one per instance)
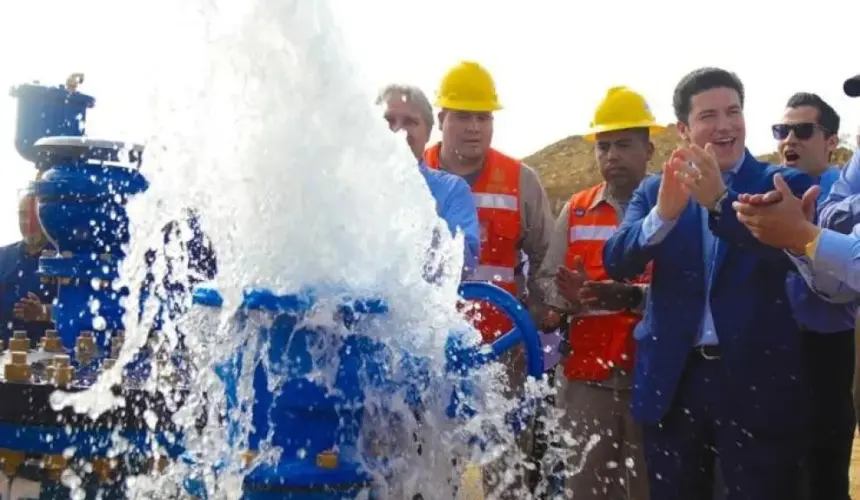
(758, 335)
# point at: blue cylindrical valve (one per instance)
(49, 112)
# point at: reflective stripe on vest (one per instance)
(598, 233)
(496, 201)
(493, 273)
(597, 313)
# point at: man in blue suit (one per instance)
(719, 362)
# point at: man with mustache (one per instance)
(596, 378)
(513, 212)
(26, 299)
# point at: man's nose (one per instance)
(473, 124)
(724, 123)
(612, 154)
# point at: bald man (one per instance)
(25, 301)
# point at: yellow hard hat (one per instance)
(622, 109)
(468, 86)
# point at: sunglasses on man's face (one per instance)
(802, 131)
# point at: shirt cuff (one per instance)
(655, 228)
(833, 253)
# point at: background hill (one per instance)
(568, 165)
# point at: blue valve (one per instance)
(462, 358)
(49, 112)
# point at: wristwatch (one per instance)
(812, 246)
(635, 297)
(717, 209)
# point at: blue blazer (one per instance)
(759, 338)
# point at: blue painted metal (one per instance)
(524, 331)
(81, 197)
(45, 112)
(306, 418)
(81, 205)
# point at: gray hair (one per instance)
(408, 93)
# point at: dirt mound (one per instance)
(568, 165)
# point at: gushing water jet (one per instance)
(295, 389)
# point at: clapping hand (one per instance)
(569, 282)
(778, 218)
(608, 296)
(701, 174)
(30, 308)
(673, 195)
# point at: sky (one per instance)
(552, 60)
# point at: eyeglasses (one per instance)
(802, 131)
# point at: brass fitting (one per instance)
(116, 342)
(55, 465)
(62, 372)
(327, 459)
(85, 347)
(247, 457)
(19, 341)
(18, 368)
(51, 342)
(158, 466)
(10, 460)
(103, 468)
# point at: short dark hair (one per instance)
(828, 118)
(698, 81)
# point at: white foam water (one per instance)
(264, 130)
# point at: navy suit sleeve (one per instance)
(624, 255)
(727, 226)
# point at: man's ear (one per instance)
(683, 131)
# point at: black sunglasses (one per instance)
(802, 131)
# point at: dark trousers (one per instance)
(830, 359)
(762, 463)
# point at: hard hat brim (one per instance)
(653, 129)
(474, 107)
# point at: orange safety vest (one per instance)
(496, 195)
(599, 340)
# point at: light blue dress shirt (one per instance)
(456, 206)
(655, 229)
(837, 253)
(811, 310)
